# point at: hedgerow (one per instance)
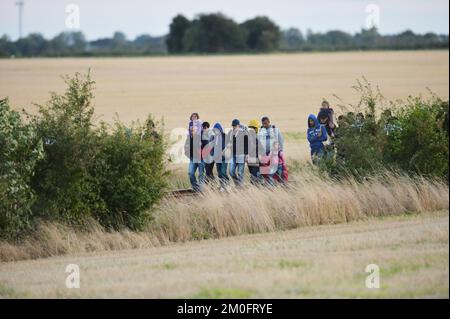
(375, 135)
(62, 167)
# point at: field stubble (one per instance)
(285, 87)
(327, 261)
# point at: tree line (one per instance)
(217, 33)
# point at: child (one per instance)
(195, 125)
(282, 172)
(325, 121)
(327, 111)
(317, 134)
(274, 165)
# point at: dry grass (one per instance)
(285, 87)
(310, 200)
(310, 262)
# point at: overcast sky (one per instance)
(100, 18)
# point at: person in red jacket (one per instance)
(274, 166)
(281, 175)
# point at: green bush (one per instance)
(419, 140)
(65, 189)
(61, 167)
(131, 173)
(20, 149)
(411, 136)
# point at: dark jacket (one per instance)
(193, 147)
(329, 113)
(219, 143)
(238, 141)
(255, 148)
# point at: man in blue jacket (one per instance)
(317, 134)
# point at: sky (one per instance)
(101, 18)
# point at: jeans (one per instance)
(238, 177)
(222, 173)
(209, 169)
(255, 176)
(279, 174)
(317, 155)
(197, 186)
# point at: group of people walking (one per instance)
(259, 146)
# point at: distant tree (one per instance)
(368, 38)
(119, 42)
(292, 39)
(431, 37)
(408, 40)
(68, 43)
(262, 34)
(330, 41)
(147, 44)
(117, 45)
(178, 29)
(7, 47)
(142, 40)
(214, 33)
(32, 45)
(119, 38)
(339, 39)
(100, 46)
(210, 33)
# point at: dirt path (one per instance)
(326, 261)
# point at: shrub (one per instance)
(65, 189)
(131, 173)
(419, 140)
(114, 175)
(20, 150)
(411, 136)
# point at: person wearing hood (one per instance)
(317, 134)
(218, 154)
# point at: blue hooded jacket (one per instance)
(316, 135)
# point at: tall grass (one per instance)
(310, 199)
